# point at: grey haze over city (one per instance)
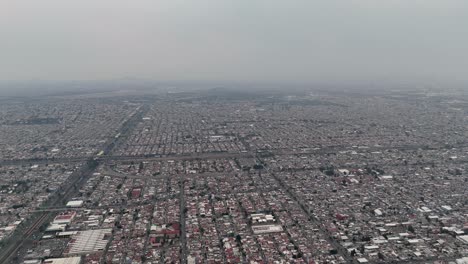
(233, 132)
(299, 41)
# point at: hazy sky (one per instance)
(244, 40)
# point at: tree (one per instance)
(380, 255)
(362, 249)
(258, 166)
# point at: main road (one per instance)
(277, 152)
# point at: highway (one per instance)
(21, 236)
(68, 190)
(214, 155)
